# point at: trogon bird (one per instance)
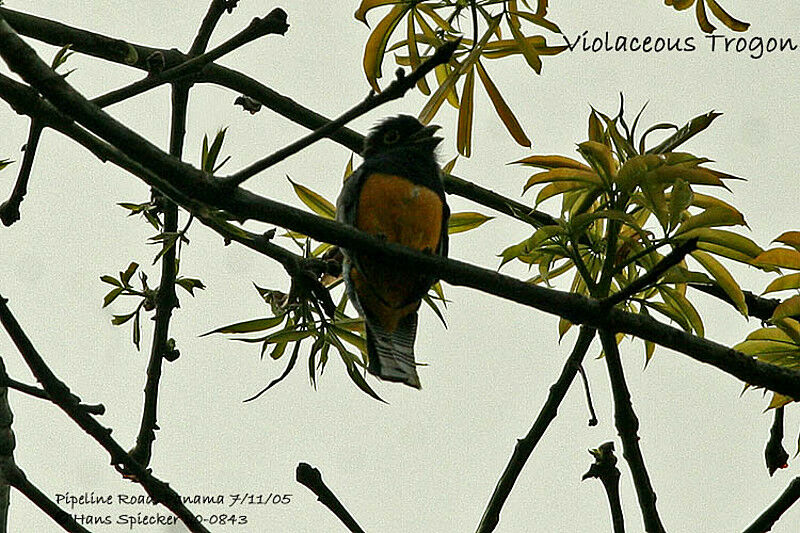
(397, 194)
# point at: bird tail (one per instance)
(391, 353)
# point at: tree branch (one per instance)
(9, 210)
(525, 446)
(628, 426)
(159, 491)
(310, 477)
(166, 300)
(605, 469)
(214, 13)
(395, 90)
(773, 513)
(273, 23)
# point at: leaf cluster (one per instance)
(496, 29)
(624, 203)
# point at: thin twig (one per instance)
(395, 90)
(654, 274)
(159, 491)
(628, 426)
(773, 513)
(605, 469)
(310, 477)
(273, 23)
(215, 11)
(36, 392)
(525, 446)
(589, 403)
(774, 453)
(9, 210)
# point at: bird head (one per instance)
(402, 131)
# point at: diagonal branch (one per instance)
(9, 210)
(396, 89)
(310, 477)
(197, 192)
(773, 513)
(273, 23)
(628, 426)
(214, 13)
(159, 491)
(525, 446)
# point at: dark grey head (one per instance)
(402, 131)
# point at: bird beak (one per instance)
(425, 136)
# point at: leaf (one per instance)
(465, 221)
(725, 18)
(596, 129)
(112, 295)
(792, 238)
(209, 156)
(348, 169)
(702, 18)
(713, 216)
(527, 49)
(375, 48)
(552, 162)
(450, 165)
(413, 52)
(366, 5)
(464, 131)
(787, 309)
(125, 277)
(288, 335)
(111, 280)
(316, 202)
(249, 326)
(679, 302)
(356, 340)
(118, 320)
(783, 283)
(726, 239)
(501, 108)
(446, 86)
(190, 284)
(723, 278)
(4, 163)
(564, 326)
(779, 257)
(563, 174)
(679, 201)
(137, 331)
(538, 20)
(779, 400)
(599, 156)
(689, 130)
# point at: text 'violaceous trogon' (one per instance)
(397, 194)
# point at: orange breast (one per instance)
(401, 211)
(405, 213)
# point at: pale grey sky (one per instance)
(430, 459)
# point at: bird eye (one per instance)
(391, 137)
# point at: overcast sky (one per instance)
(429, 460)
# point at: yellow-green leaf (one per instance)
(464, 131)
(314, 201)
(552, 161)
(679, 200)
(501, 108)
(787, 308)
(683, 306)
(528, 50)
(779, 257)
(746, 248)
(448, 168)
(366, 5)
(413, 53)
(723, 278)
(376, 43)
(792, 238)
(783, 283)
(713, 216)
(563, 174)
(601, 159)
(725, 18)
(348, 169)
(563, 327)
(779, 400)
(465, 221)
